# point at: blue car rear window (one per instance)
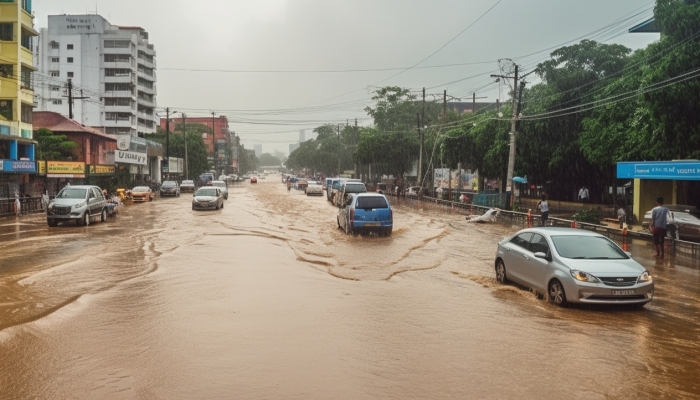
(371, 202)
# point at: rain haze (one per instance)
(276, 67)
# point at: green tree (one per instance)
(197, 153)
(53, 146)
(269, 160)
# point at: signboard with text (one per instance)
(129, 157)
(101, 169)
(18, 166)
(65, 169)
(663, 170)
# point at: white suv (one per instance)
(78, 203)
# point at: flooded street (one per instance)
(267, 298)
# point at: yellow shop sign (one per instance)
(101, 169)
(65, 167)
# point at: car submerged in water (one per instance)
(366, 213)
(77, 203)
(207, 198)
(572, 266)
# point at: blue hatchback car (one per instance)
(365, 213)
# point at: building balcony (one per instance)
(145, 63)
(145, 89)
(119, 50)
(119, 109)
(145, 116)
(147, 49)
(120, 64)
(145, 102)
(120, 93)
(119, 79)
(110, 123)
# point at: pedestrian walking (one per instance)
(543, 206)
(583, 194)
(659, 220)
(621, 216)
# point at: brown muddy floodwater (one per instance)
(267, 299)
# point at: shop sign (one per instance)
(65, 167)
(663, 170)
(42, 167)
(101, 169)
(18, 166)
(129, 157)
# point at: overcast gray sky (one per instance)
(274, 67)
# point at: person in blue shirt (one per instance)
(659, 220)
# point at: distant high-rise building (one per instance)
(113, 67)
(258, 150)
(292, 147)
(302, 135)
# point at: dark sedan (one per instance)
(169, 188)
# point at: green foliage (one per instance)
(197, 152)
(269, 160)
(590, 215)
(53, 146)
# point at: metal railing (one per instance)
(27, 205)
(674, 246)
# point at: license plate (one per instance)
(622, 292)
(372, 224)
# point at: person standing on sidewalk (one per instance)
(543, 206)
(659, 220)
(583, 194)
(621, 216)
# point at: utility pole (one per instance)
(184, 136)
(474, 102)
(213, 140)
(357, 142)
(420, 139)
(444, 107)
(71, 98)
(339, 150)
(513, 128)
(167, 137)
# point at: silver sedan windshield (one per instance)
(587, 247)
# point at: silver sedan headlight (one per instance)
(644, 277)
(584, 276)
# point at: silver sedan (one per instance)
(573, 266)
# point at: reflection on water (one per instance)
(267, 298)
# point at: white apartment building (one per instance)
(112, 67)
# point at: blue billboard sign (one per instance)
(18, 166)
(665, 170)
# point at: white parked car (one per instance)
(314, 189)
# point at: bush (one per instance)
(591, 216)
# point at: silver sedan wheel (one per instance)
(556, 293)
(501, 272)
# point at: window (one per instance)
(55, 59)
(70, 47)
(117, 57)
(27, 78)
(26, 41)
(113, 116)
(145, 83)
(7, 70)
(522, 240)
(70, 59)
(6, 110)
(57, 102)
(27, 113)
(27, 5)
(117, 44)
(55, 88)
(55, 45)
(539, 244)
(371, 202)
(70, 74)
(53, 73)
(118, 101)
(117, 72)
(109, 87)
(7, 32)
